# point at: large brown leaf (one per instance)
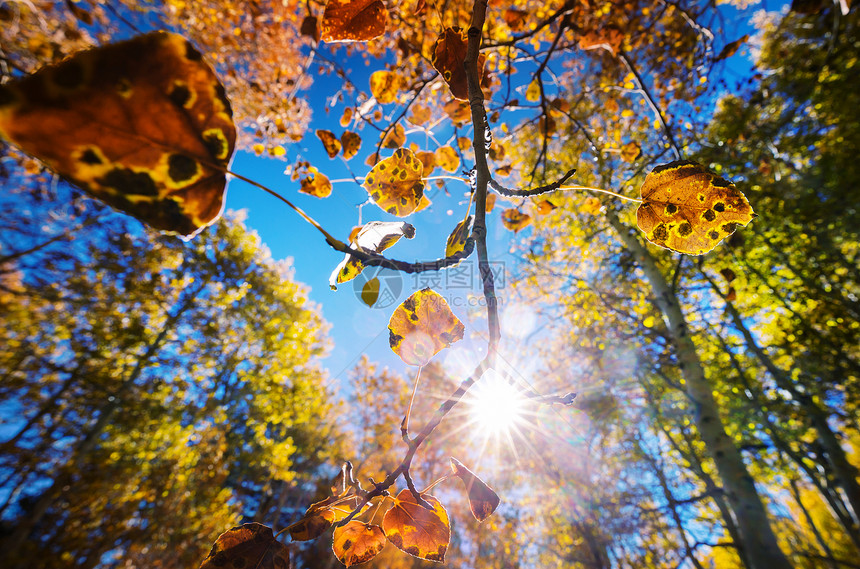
(353, 20)
(483, 500)
(143, 125)
(251, 546)
(416, 530)
(449, 52)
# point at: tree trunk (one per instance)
(762, 549)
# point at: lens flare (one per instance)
(496, 405)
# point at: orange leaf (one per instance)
(545, 206)
(320, 516)
(419, 115)
(689, 209)
(395, 184)
(385, 85)
(353, 20)
(421, 326)
(449, 51)
(515, 220)
(351, 143)
(457, 239)
(464, 143)
(249, 545)
(609, 38)
(447, 159)
(357, 542)
(630, 152)
(395, 138)
(491, 202)
(142, 125)
(483, 501)
(416, 530)
(428, 160)
(330, 142)
(504, 170)
(516, 19)
(347, 116)
(316, 184)
(458, 111)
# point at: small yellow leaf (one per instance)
(395, 138)
(464, 143)
(447, 159)
(491, 201)
(419, 115)
(515, 220)
(316, 184)
(421, 326)
(457, 240)
(533, 91)
(545, 206)
(370, 292)
(630, 152)
(385, 85)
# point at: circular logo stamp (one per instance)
(388, 290)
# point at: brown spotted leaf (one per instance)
(449, 51)
(357, 542)
(447, 158)
(330, 142)
(315, 184)
(457, 240)
(142, 125)
(515, 220)
(483, 501)
(375, 237)
(250, 545)
(351, 142)
(320, 516)
(458, 111)
(385, 85)
(421, 326)
(395, 137)
(396, 183)
(428, 160)
(416, 530)
(353, 20)
(689, 209)
(419, 115)
(630, 152)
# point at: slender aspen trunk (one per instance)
(762, 549)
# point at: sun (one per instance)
(496, 405)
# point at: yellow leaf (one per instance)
(330, 142)
(416, 530)
(385, 85)
(630, 152)
(689, 209)
(464, 143)
(419, 115)
(396, 184)
(316, 184)
(421, 326)
(142, 125)
(514, 219)
(533, 91)
(457, 239)
(395, 138)
(545, 206)
(447, 159)
(370, 292)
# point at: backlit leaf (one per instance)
(421, 326)
(447, 158)
(419, 115)
(395, 138)
(515, 220)
(689, 209)
(315, 184)
(351, 143)
(592, 205)
(375, 237)
(385, 85)
(464, 143)
(545, 206)
(609, 38)
(457, 240)
(449, 51)
(370, 292)
(395, 184)
(249, 545)
(353, 20)
(731, 48)
(491, 201)
(458, 111)
(533, 91)
(630, 152)
(416, 530)
(357, 542)
(143, 125)
(330, 142)
(320, 516)
(423, 204)
(310, 28)
(346, 118)
(428, 161)
(483, 501)
(516, 19)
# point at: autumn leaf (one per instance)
(416, 530)
(533, 91)
(728, 274)
(457, 240)
(249, 545)
(423, 204)
(458, 111)
(396, 183)
(689, 209)
(346, 117)
(515, 220)
(419, 115)
(421, 326)
(630, 152)
(449, 51)
(545, 206)
(385, 85)
(428, 161)
(321, 515)
(316, 184)
(491, 202)
(351, 143)
(370, 292)
(464, 143)
(357, 542)
(483, 501)
(310, 28)
(395, 138)
(516, 19)
(143, 125)
(731, 48)
(353, 20)
(330, 142)
(447, 158)
(373, 237)
(591, 206)
(609, 38)
(505, 170)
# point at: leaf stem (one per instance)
(602, 191)
(437, 481)
(404, 425)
